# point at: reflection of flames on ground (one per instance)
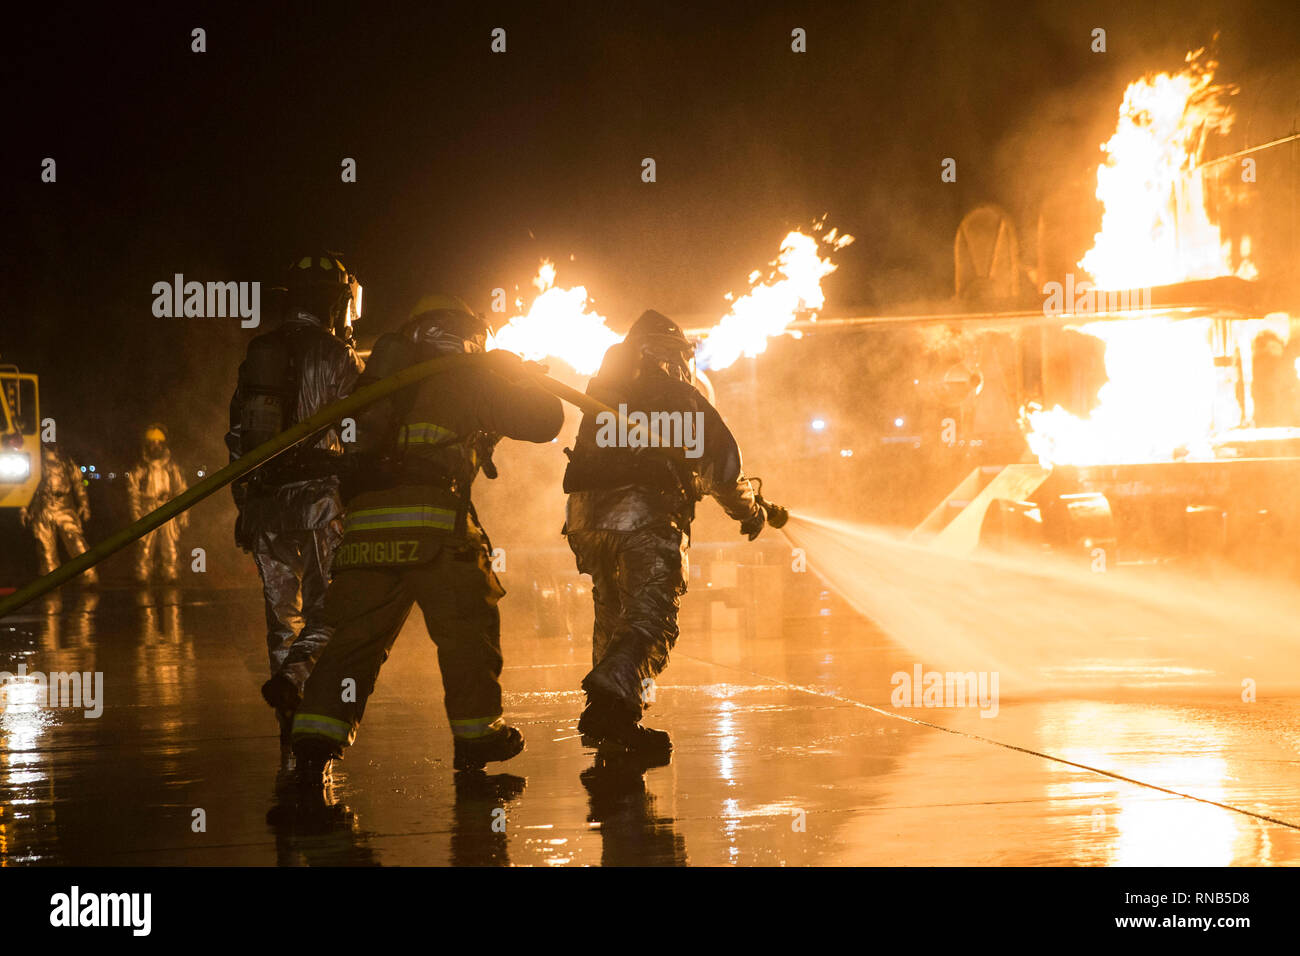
(561, 323)
(1172, 388)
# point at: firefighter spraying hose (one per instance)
(260, 455)
(777, 515)
(632, 496)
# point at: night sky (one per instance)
(473, 166)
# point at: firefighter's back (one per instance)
(409, 491)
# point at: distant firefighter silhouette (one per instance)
(58, 509)
(154, 480)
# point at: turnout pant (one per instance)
(295, 571)
(458, 593)
(53, 526)
(161, 542)
(638, 579)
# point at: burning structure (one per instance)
(1131, 393)
(1160, 402)
(1130, 396)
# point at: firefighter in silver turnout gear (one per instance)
(58, 511)
(412, 537)
(629, 522)
(290, 515)
(153, 481)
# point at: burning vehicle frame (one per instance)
(1196, 457)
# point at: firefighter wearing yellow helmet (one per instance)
(290, 514)
(153, 481)
(412, 537)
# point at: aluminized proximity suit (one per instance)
(289, 518)
(411, 537)
(57, 511)
(629, 522)
(153, 481)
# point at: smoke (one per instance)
(1048, 626)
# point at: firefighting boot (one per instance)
(607, 722)
(473, 754)
(313, 759)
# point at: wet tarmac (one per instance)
(788, 752)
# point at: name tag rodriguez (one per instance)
(378, 552)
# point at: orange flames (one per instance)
(1172, 384)
(1158, 402)
(562, 324)
(792, 288)
(558, 324)
(1155, 229)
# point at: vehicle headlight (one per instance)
(15, 466)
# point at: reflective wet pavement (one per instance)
(788, 752)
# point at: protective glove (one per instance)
(754, 524)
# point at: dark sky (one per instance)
(474, 166)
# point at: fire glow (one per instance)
(1171, 390)
(792, 288)
(562, 323)
(558, 324)
(1155, 229)
(1157, 403)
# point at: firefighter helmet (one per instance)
(447, 323)
(321, 284)
(661, 341)
(153, 442)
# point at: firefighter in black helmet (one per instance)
(412, 537)
(629, 521)
(290, 515)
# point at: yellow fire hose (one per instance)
(237, 469)
(327, 416)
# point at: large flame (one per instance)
(792, 288)
(1158, 402)
(1172, 384)
(1155, 229)
(561, 324)
(558, 324)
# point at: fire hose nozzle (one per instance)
(776, 515)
